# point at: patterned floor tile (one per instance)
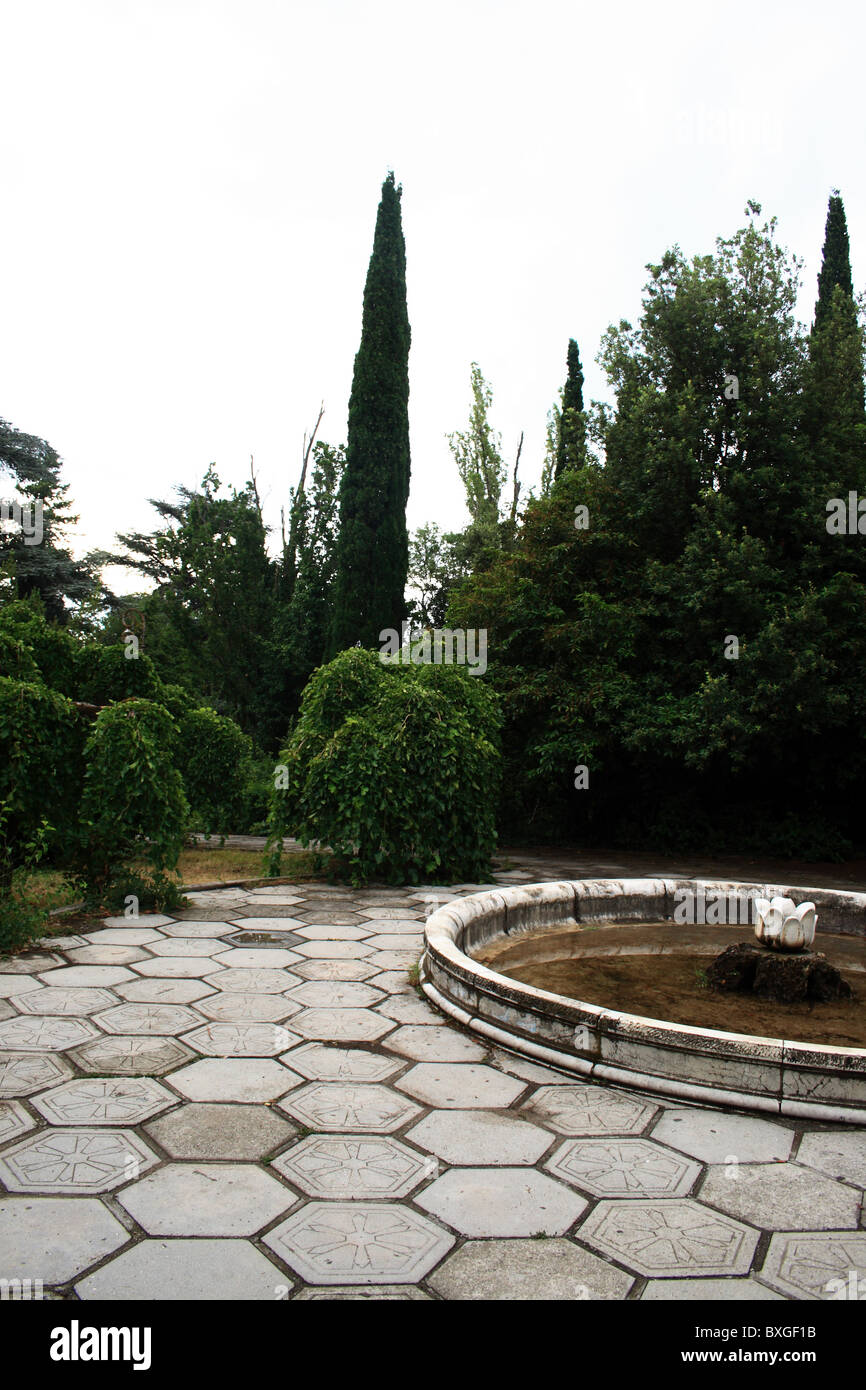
(97, 1101)
(44, 1033)
(318, 1062)
(350, 1167)
(74, 1160)
(580, 1109)
(162, 991)
(240, 981)
(23, 1073)
(334, 970)
(226, 1007)
(359, 1243)
(669, 1237)
(623, 1168)
(829, 1267)
(336, 994)
(159, 1019)
(241, 1039)
(131, 1056)
(76, 1002)
(14, 1120)
(340, 1025)
(346, 1107)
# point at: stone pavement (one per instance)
(252, 1101)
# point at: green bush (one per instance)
(213, 754)
(41, 735)
(396, 768)
(133, 805)
(53, 652)
(105, 673)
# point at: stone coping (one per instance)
(771, 1075)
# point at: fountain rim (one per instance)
(774, 1076)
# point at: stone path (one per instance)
(252, 1101)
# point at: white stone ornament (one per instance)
(783, 926)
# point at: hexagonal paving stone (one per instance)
(189, 930)
(364, 1109)
(408, 1008)
(394, 926)
(334, 950)
(330, 934)
(502, 1202)
(282, 898)
(838, 1153)
(519, 1270)
(187, 1269)
(781, 1197)
(582, 1109)
(188, 946)
(334, 970)
(396, 960)
(623, 1168)
(669, 1237)
(161, 991)
(31, 962)
(179, 967)
(319, 1062)
(829, 1267)
(44, 1033)
(22, 1073)
(106, 955)
(206, 1199)
(359, 1243)
(235, 1078)
(460, 1086)
(472, 1138)
(55, 1238)
(284, 923)
(341, 1025)
(221, 1131)
(17, 984)
(244, 981)
(131, 1056)
(714, 1137)
(160, 1019)
(74, 1160)
(226, 1007)
(241, 1039)
(14, 1120)
(77, 1002)
(405, 941)
(383, 913)
(335, 917)
(124, 936)
(354, 1167)
(256, 958)
(393, 981)
(250, 939)
(7, 1010)
(434, 1044)
(88, 976)
(336, 994)
(117, 1101)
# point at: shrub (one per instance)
(395, 767)
(41, 734)
(133, 806)
(105, 673)
(213, 754)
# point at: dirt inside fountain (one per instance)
(656, 969)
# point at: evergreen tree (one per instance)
(836, 263)
(571, 440)
(373, 546)
(39, 565)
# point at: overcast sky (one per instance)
(189, 192)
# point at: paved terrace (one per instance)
(251, 1101)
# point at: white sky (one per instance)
(189, 192)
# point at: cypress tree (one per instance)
(372, 554)
(836, 263)
(570, 451)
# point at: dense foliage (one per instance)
(396, 768)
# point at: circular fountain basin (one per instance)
(773, 1075)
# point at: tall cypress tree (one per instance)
(571, 446)
(373, 548)
(836, 264)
